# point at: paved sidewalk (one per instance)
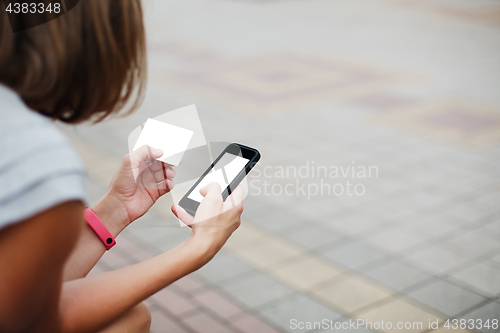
(408, 88)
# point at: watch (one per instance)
(99, 228)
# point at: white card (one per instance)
(173, 140)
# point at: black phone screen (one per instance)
(224, 172)
(229, 169)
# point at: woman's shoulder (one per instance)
(25, 125)
(38, 166)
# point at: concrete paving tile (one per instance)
(161, 323)
(396, 275)
(431, 199)
(496, 258)
(481, 276)
(396, 211)
(352, 294)
(174, 302)
(455, 219)
(218, 303)
(133, 249)
(305, 272)
(256, 289)
(251, 324)
(245, 235)
(189, 283)
(432, 226)
(312, 236)
(493, 226)
(276, 220)
(317, 208)
(95, 191)
(157, 234)
(436, 259)
(352, 255)
(492, 199)
(483, 206)
(125, 242)
(336, 244)
(395, 240)
(223, 266)
(471, 244)
(485, 313)
(300, 308)
(352, 225)
(446, 298)
(383, 101)
(164, 245)
(115, 259)
(268, 252)
(467, 213)
(203, 323)
(399, 311)
(492, 263)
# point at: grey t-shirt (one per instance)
(38, 166)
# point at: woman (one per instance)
(84, 65)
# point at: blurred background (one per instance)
(409, 88)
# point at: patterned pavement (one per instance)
(397, 98)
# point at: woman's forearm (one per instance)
(89, 248)
(90, 304)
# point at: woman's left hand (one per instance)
(135, 187)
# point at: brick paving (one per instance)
(412, 90)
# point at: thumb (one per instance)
(211, 205)
(211, 191)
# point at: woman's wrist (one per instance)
(205, 249)
(112, 214)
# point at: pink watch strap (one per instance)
(101, 231)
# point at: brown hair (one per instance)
(85, 64)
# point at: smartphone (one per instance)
(228, 169)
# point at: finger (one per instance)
(141, 157)
(156, 165)
(157, 180)
(234, 199)
(238, 194)
(170, 172)
(166, 187)
(182, 215)
(146, 153)
(211, 205)
(149, 180)
(212, 190)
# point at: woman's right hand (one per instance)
(215, 220)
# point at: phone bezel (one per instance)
(251, 154)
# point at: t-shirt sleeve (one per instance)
(39, 169)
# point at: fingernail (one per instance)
(159, 151)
